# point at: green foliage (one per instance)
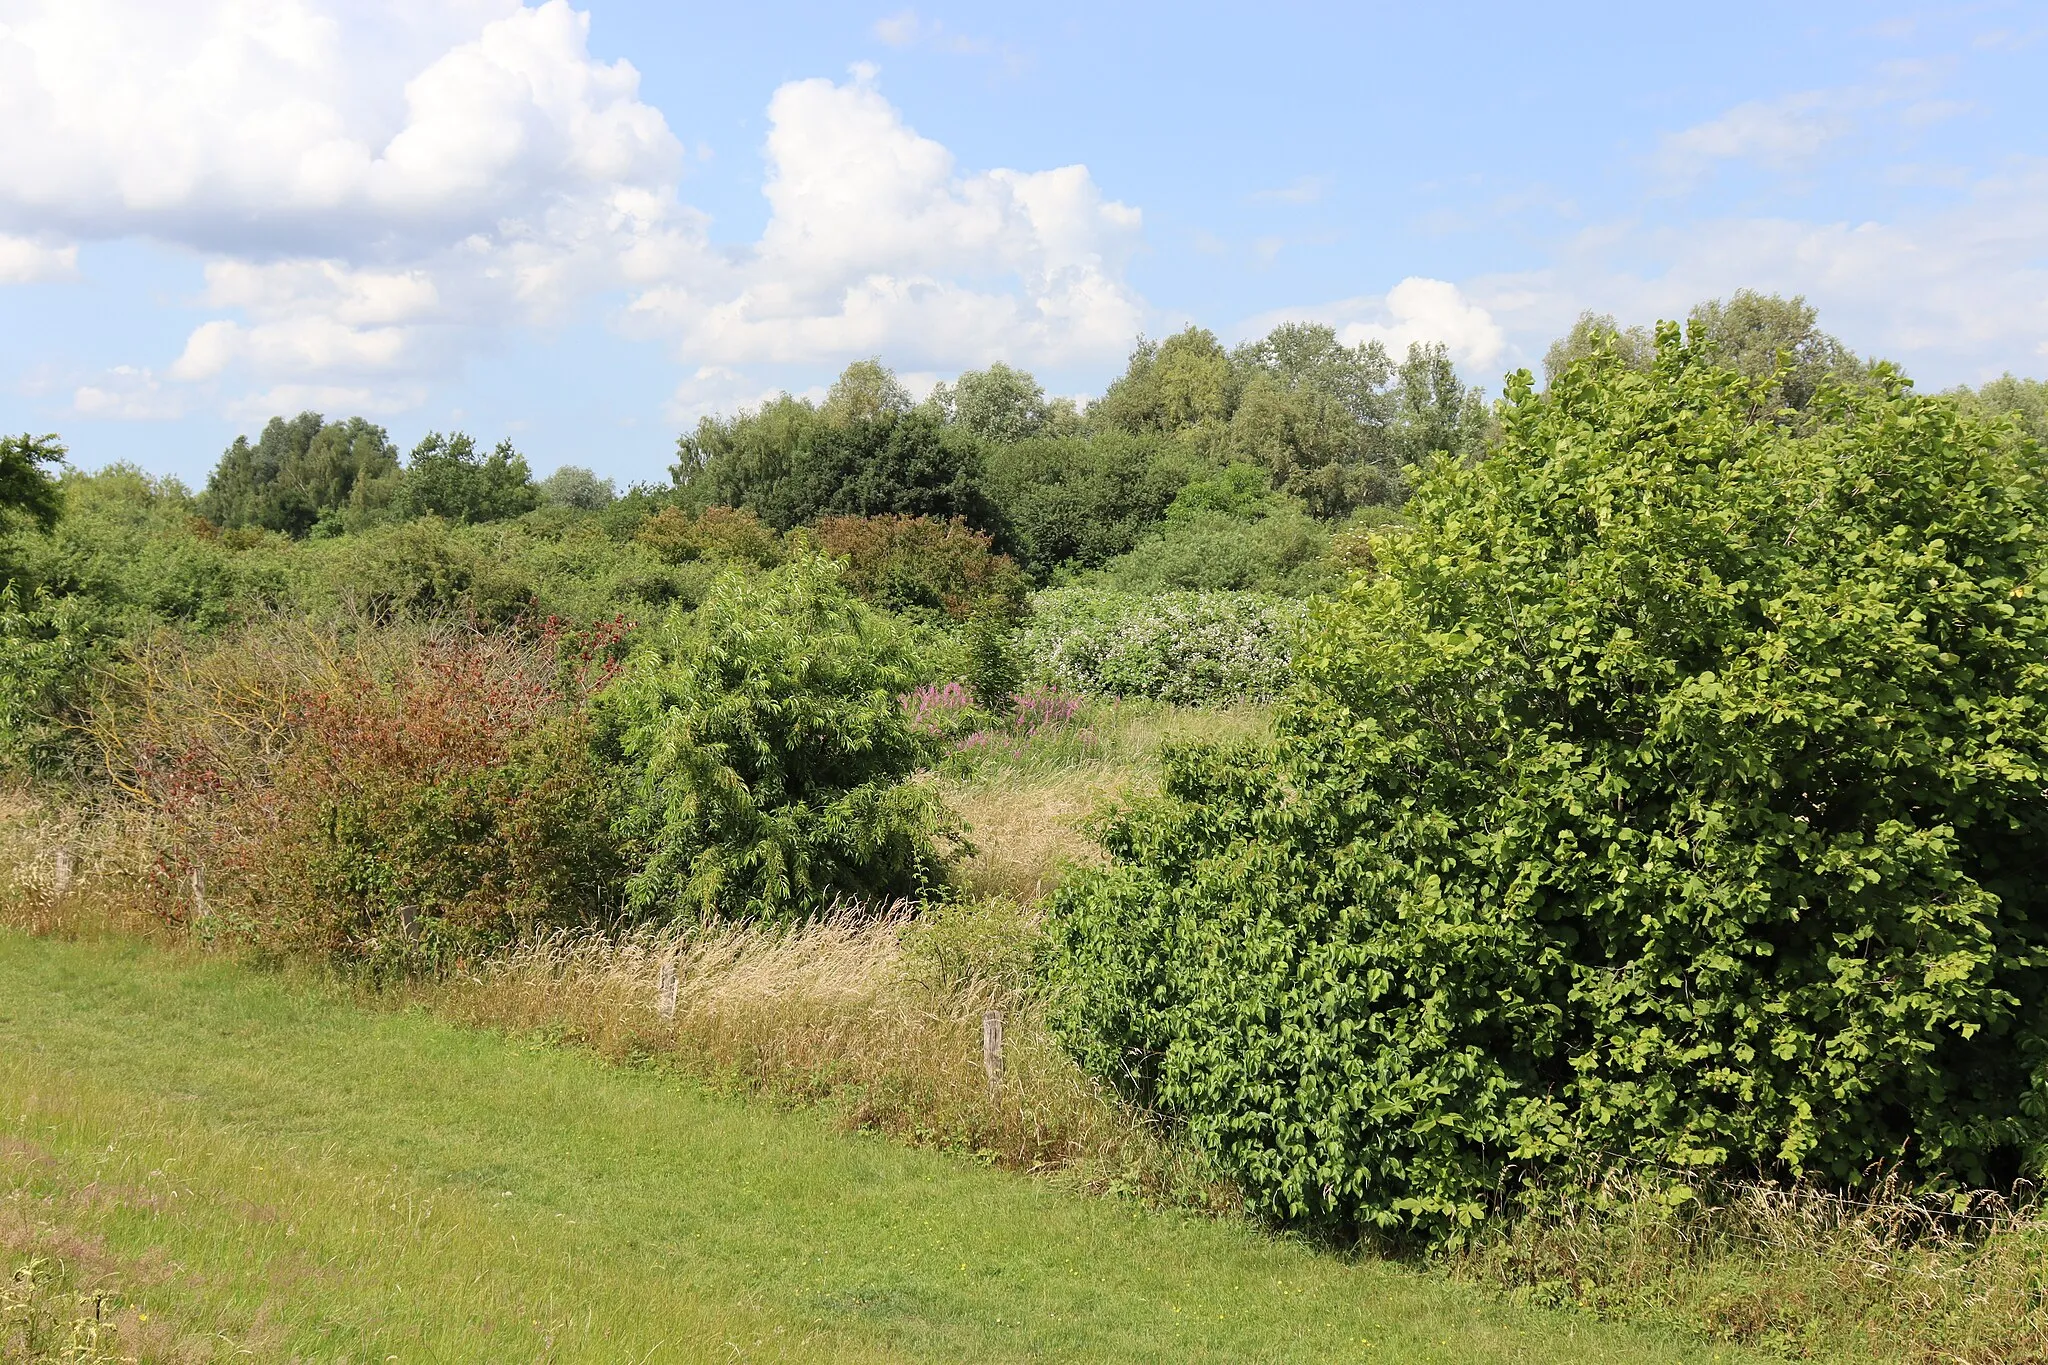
(299, 474)
(27, 493)
(423, 568)
(1078, 502)
(1001, 406)
(1778, 340)
(865, 453)
(1672, 792)
(2025, 400)
(1230, 532)
(446, 477)
(134, 546)
(724, 535)
(1183, 647)
(923, 568)
(575, 486)
(769, 754)
(48, 648)
(994, 671)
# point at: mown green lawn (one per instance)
(311, 1180)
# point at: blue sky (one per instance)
(585, 226)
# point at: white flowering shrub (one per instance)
(1183, 647)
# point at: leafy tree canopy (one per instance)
(26, 490)
(446, 477)
(575, 486)
(298, 472)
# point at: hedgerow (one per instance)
(1673, 791)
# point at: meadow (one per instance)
(1290, 862)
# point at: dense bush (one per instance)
(768, 753)
(1228, 532)
(48, 648)
(923, 567)
(1673, 792)
(398, 796)
(1186, 647)
(859, 456)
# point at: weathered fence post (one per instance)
(199, 911)
(992, 1048)
(665, 999)
(67, 869)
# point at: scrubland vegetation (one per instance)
(1586, 845)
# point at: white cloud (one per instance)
(1957, 293)
(376, 185)
(876, 243)
(24, 260)
(126, 393)
(1778, 133)
(900, 29)
(1416, 310)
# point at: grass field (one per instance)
(244, 1166)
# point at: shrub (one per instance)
(1185, 647)
(1672, 792)
(769, 753)
(400, 797)
(728, 535)
(922, 566)
(48, 649)
(446, 477)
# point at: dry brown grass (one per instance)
(1799, 1272)
(1028, 819)
(876, 1018)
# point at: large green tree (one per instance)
(446, 476)
(865, 452)
(297, 472)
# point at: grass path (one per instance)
(261, 1161)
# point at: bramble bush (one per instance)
(1671, 793)
(398, 798)
(767, 753)
(1182, 647)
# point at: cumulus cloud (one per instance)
(1417, 310)
(876, 241)
(375, 185)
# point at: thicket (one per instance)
(399, 797)
(1189, 648)
(1671, 793)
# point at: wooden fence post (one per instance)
(67, 869)
(199, 910)
(992, 1048)
(665, 999)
